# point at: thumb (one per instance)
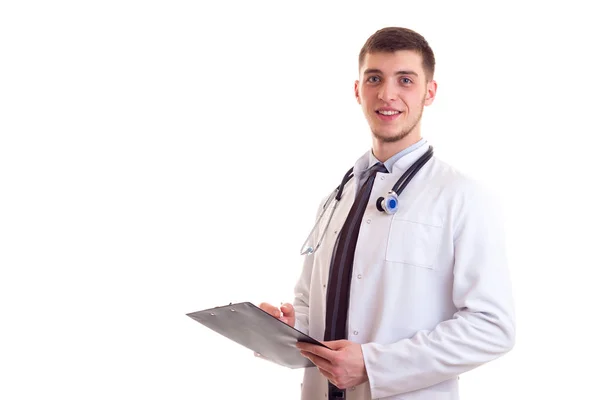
(337, 344)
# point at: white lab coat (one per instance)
(430, 294)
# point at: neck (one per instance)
(383, 150)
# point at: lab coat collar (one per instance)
(404, 162)
(400, 166)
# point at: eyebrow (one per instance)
(378, 71)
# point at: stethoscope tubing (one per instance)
(336, 195)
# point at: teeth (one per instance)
(389, 112)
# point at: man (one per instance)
(427, 287)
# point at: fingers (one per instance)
(320, 362)
(286, 314)
(326, 368)
(274, 311)
(289, 314)
(337, 344)
(327, 375)
(288, 310)
(319, 351)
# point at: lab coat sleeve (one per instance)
(481, 329)
(301, 295)
(302, 288)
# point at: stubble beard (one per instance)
(403, 133)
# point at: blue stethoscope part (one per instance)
(388, 203)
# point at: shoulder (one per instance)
(457, 182)
(465, 196)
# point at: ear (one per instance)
(356, 92)
(431, 91)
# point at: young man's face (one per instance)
(393, 90)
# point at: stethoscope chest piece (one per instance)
(389, 203)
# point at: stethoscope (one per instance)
(387, 203)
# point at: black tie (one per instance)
(340, 271)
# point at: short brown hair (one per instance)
(392, 39)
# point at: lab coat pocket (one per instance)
(414, 241)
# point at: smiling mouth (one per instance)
(385, 112)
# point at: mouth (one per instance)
(387, 115)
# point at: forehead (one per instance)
(391, 62)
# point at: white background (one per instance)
(158, 158)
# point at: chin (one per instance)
(389, 136)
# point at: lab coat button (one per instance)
(355, 332)
(359, 276)
(383, 177)
(352, 388)
(368, 221)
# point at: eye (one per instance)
(373, 79)
(406, 81)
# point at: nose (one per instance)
(387, 92)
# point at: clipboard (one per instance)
(257, 330)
